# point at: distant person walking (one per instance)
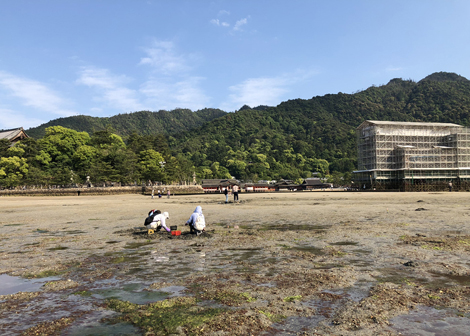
(226, 194)
(168, 193)
(235, 189)
(450, 185)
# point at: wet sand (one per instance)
(307, 263)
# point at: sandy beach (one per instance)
(305, 263)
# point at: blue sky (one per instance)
(103, 57)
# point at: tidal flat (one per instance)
(302, 263)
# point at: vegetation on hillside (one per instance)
(143, 122)
(290, 141)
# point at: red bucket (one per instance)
(176, 233)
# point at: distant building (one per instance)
(259, 187)
(14, 134)
(395, 154)
(286, 185)
(312, 183)
(217, 185)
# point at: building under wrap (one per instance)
(412, 155)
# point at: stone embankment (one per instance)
(174, 189)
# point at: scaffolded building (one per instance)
(412, 155)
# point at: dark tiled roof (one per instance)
(13, 134)
(214, 183)
(312, 182)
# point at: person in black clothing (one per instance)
(226, 194)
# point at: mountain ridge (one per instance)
(144, 122)
(183, 120)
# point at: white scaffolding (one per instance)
(389, 149)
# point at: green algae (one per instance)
(292, 298)
(83, 293)
(275, 318)
(44, 274)
(223, 296)
(167, 316)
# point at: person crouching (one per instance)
(196, 222)
(158, 221)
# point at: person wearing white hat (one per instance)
(159, 220)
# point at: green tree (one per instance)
(15, 151)
(12, 171)
(179, 169)
(318, 165)
(111, 162)
(237, 168)
(219, 171)
(57, 150)
(36, 176)
(343, 165)
(83, 158)
(4, 145)
(151, 165)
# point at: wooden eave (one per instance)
(14, 134)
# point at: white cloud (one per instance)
(257, 91)
(169, 84)
(161, 55)
(168, 95)
(14, 119)
(110, 88)
(34, 94)
(240, 23)
(264, 90)
(217, 22)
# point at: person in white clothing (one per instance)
(235, 189)
(159, 220)
(196, 222)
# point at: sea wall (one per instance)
(143, 190)
(175, 189)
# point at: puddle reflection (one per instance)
(133, 293)
(13, 285)
(429, 321)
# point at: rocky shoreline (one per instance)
(273, 264)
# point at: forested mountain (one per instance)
(290, 141)
(143, 122)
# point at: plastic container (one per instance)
(173, 228)
(176, 233)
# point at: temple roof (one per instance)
(407, 123)
(14, 134)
